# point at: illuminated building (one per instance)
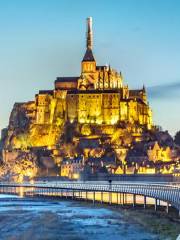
(157, 153)
(71, 168)
(96, 97)
(93, 115)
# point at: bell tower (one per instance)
(88, 64)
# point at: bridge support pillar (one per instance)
(72, 194)
(61, 193)
(110, 198)
(86, 195)
(66, 194)
(167, 208)
(155, 206)
(94, 196)
(120, 199)
(144, 202)
(117, 198)
(123, 199)
(101, 197)
(134, 200)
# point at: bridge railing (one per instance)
(165, 192)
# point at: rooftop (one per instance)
(66, 79)
(88, 56)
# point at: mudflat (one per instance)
(25, 219)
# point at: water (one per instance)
(25, 219)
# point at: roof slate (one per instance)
(66, 79)
(88, 56)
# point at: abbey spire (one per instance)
(89, 34)
(88, 57)
(89, 62)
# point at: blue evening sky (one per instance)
(43, 39)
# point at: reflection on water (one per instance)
(106, 197)
(8, 196)
(25, 219)
(21, 191)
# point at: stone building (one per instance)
(96, 97)
(72, 168)
(156, 152)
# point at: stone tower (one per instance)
(88, 62)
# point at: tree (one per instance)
(177, 138)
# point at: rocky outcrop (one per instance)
(23, 132)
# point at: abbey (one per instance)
(87, 124)
(97, 96)
(96, 104)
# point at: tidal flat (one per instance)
(34, 219)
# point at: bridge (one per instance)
(168, 193)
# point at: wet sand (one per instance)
(56, 220)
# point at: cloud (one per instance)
(169, 90)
